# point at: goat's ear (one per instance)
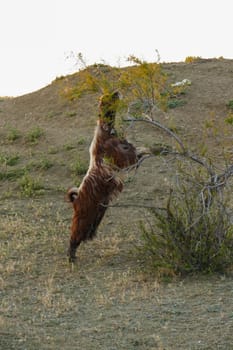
(116, 96)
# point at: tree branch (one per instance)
(216, 181)
(184, 152)
(153, 122)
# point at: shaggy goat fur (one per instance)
(90, 202)
(101, 183)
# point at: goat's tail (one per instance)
(72, 194)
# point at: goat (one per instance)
(108, 154)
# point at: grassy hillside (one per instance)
(108, 301)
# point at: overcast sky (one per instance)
(37, 35)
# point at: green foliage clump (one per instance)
(34, 135)
(81, 141)
(173, 103)
(187, 237)
(30, 186)
(9, 160)
(143, 81)
(42, 164)
(13, 134)
(11, 174)
(230, 105)
(98, 78)
(229, 119)
(71, 114)
(79, 167)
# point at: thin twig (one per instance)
(151, 121)
(184, 152)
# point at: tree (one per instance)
(194, 231)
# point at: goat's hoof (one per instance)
(72, 263)
(72, 259)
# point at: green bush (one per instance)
(145, 82)
(187, 237)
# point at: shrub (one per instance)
(187, 237)
(143, 81)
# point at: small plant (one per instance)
(79, 167)
(230, 105)
(69, 146)
(29, 186)
(229, 119)
(175, 102)
(34, 135)
(9, 160)
(43, 164)
(53, 150)
(81, 141)
(71, 114)
(13, 134)
(51, 115)
(12, 174)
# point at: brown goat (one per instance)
(101, 183)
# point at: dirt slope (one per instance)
(107, 301)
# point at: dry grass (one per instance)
(107, 301)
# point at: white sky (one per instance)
(36, 35)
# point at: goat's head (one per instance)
(107, 110)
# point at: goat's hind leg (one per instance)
(72, 250)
